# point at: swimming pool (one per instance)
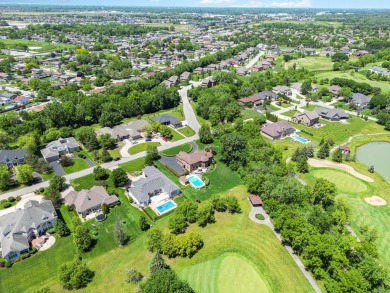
(300, 139)
(195, 181)
(165, 207)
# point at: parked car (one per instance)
(164, 139)
(148, 139)
(82, 156)
(117, 159)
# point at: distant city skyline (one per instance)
(326, 4)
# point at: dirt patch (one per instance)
(343, 167)
(375, 201)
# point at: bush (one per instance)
(2, 262)
(11, 199)
(18, 198)
(24, 256)
(149, 212)
(33, 251)
(6, 205)
(41, 190)
(8, 264)
(259, 217)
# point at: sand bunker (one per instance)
(375, 201)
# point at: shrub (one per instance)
(8, 264)
(6, 205)
(2, 262)
(11, 199)
(24, 256)
(33, 251)
(18, 198)
(259, 217)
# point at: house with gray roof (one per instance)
(167, 119)
(12, 158)
(277, 130)
(59, 147)
(19, 228)
(331, 114)
(152, 183)
(124, 131)
(88, 201)
(308, 118)
(359, 100)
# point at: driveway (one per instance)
(57, 168)
(171, 161)
(189, 113)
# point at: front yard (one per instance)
(141, 147)
(175, 150)
(187, 131)
(78, 165)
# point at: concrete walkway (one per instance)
(267, 222)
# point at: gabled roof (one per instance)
(165, 118)
(9, 155)
(195, 157)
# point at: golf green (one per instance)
(345, 183)
(225, 274)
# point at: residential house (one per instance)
(208, 82)
(21, 100)
(167, 119)
(379, 70)
(121, 132)
(331, 114)
(198, 159)
(282, 89)
(152, 185)
(185, 76)
(277, 130)
(334, 89)
(89, 201)
(359, 53)
(308, 118)
(19, 228)
(360, 100)
(174, 80)
(59, 147)
(12, 158)
(257, 99)
(241, 71)
(198, 70)
(7, 97)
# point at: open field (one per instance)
(141, 147)
(178, 27)
(11, 43)
(313, 63)
(175, 150)
(249, 114)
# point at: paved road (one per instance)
(187, 109)
(267, 222)
(254, 60)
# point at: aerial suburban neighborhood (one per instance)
(210, 146)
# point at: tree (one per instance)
(306, 87)
(43, 290)
(66, 161)
(107, 142)
(205, 135)
(119, 177)
(110, 115)
(133, 276)
(87, 136)
(154, 240)
(75, 275)
(105, 208)
(339, 57)
(143, 224)
(324, 192)
(24, 174)
(5, 176)
(188, 210)
(177, 224)
(345, 92)
(324, 151)
(57, 183)
(99, 173)
(205, 215)
(53, 195)
(165, 131)
(105, 156)
(119, 233)
(61, 228)
(302, 166)
(233, 151)
(165, 281)
(232, 205)
(81, 238)
(151, 155)
(157, 263)
(371, 169)
(337, 156)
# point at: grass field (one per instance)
(187, 131)
(141, 147)
(345, 183)
(11, 43)
(175, 150)
(134, 166)
(176, 136)
(78, 165)
(249, 114)
(313, 63)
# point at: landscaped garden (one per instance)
(175, 150)
(141, 147)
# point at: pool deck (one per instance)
(198, 177)
(157, 204)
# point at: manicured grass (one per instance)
(314, 63)
(141, 147)
(340, 132)
(176, 136)
(78, 165)
(115, 153)
(187, 131)
(290, 113)
(85, 182)
(175, 150)
(85, 153)
(310, 107)
(134, 166)
(259, 217)
(345, 183)
(249, 114)
(11, 43)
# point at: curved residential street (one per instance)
(267, 222)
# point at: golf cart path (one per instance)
(328, 164)
(267, 222)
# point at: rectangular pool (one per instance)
(195, 181)
(165, 207)
(300, 139)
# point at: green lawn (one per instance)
(175, 150)
(187, 131)
(310, 107)
(290, 113)
(249, 114)
(78, 165)
(115, 153)
(85, 182)
(340, 132)
(134, 166)
(141, 147)
(313, 63)
(176, 136)
(11, 43)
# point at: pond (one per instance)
(376, 154)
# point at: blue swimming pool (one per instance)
(195, 181)
(300, 139)
(165, 207)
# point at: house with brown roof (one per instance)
(185, 76)
(88, 201)
(277, 130)
(334, 89)
(198, 159)
(255, 200)
(308, 118)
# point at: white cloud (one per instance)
(292, 4)
(216, 1)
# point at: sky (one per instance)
(221, 3)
